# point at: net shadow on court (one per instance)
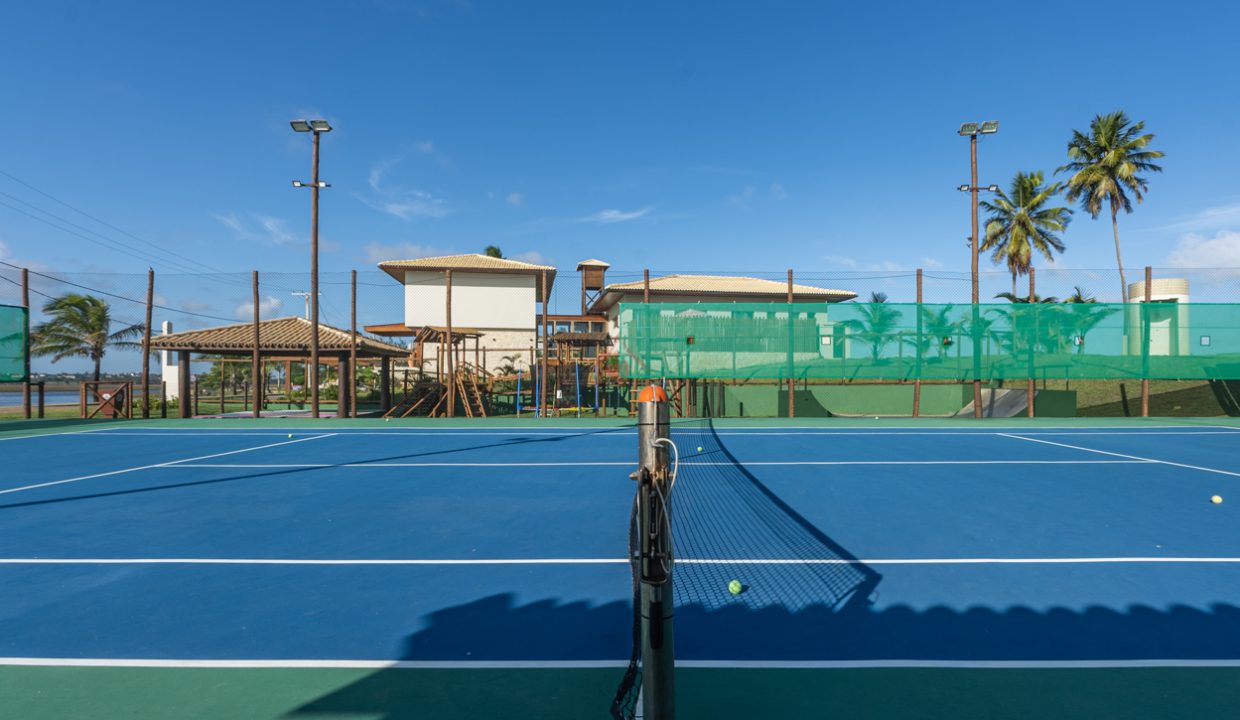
(728, 525)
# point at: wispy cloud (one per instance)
(745, 195)
(532, 256)
(1198, 251)
(378, 252)
(404, 203)
(515, 199)
(841, 261)
(7, 256)
(267, 307)
(778, 191)
(253, 227)
(1214, 218)
(611, 216)
(931, 263)
(426, 147)
(412, 204)
(193, 305)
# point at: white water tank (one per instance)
(1169, 331)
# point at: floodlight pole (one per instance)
(313, 376)
(316, 128)
(973, 130)
(973, 248)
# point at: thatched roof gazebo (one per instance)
(281, 338)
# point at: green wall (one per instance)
(883, 400)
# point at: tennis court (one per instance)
(892, 569)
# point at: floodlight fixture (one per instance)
(963, 188)
(324, 184)
(968, 128)
(993, 188)
(300, 125)
(298, 183)
(323, 126)
(990, 127)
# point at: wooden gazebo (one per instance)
(282, 339)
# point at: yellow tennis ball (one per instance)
(699, 448)
(290, 434)
(1217, 499)
(735, 587)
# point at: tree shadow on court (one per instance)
(496, 631)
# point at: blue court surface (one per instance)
(967, 547)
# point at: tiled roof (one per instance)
(720, 285)
(290, 334)
(473, 262)
(592, 263)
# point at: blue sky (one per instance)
(676, 136)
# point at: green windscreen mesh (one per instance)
(12, 343)
(892, 341)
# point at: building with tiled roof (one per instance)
(497, 299)
(713, 288)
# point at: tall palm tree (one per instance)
(1023, 220)
(493, 251)
(1105, 166)
(80, 326)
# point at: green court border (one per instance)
(1170, 693)
(45, 427)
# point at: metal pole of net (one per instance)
(649, 680)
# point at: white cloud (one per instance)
(258, 228)
(1199, 251)
(744, 196)
(778, 191)
(7, 256)
(844, 262)
(404, 203)
(1208, 219)
(426, 147)
(267, 307)
(193, 305)
(515, 199)
(610, 216)
(378, 252)
(533, 257)
(929, 262)
(414, 204)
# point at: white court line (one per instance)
(55, 434)
(1122, 455)
(258, 664)
(157, 465)
(626, 463)
(466, 562)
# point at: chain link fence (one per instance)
(199, 301)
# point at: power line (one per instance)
(114, 295)
(104, 223)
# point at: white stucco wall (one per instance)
(486, 301)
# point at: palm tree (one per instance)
(493, 251)
(1082, 318)
(877, 324)
(1022, 220)
(1105, 166)
(1014, 298)
(1080, 295)
(80, 326)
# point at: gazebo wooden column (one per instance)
(385, 383)
(343, 391)
(183, 398)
